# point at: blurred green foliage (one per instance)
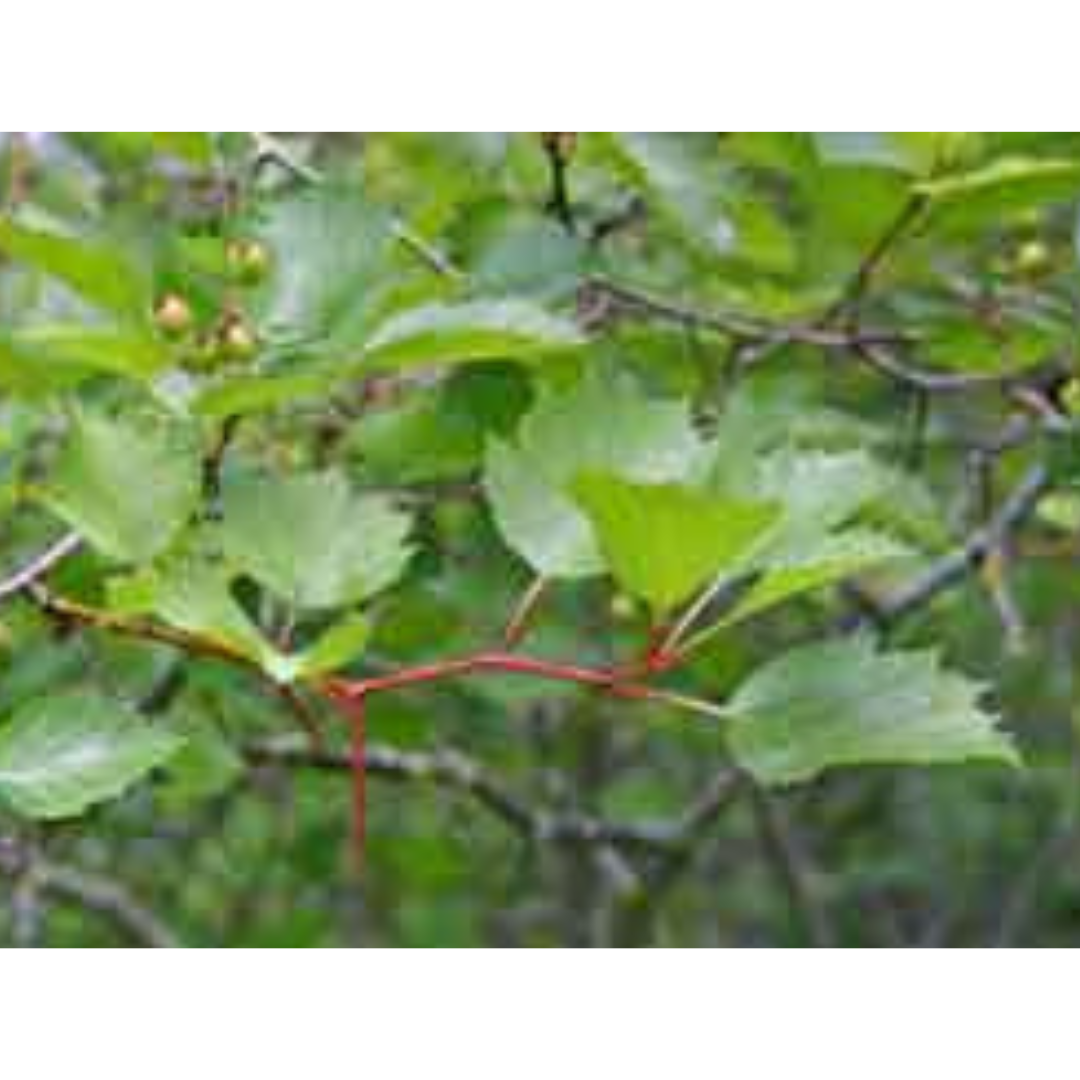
(388, 374)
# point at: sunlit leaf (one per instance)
(127, 485)
(60, 755)
(663, 542)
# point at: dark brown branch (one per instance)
(555, 148)
(214, 462)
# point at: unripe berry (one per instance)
(204, 357)
(249, 261)
(1032, 259)
(237, 343)
(1070, 397)
(173, 315)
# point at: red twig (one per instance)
(612, 679)
(358, 761)
(350, 695)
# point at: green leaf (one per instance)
(195, 147)
(971, 199)
(330, 250)
(813, 544)
(60, 755)
(100, 274)
(311, 540)
(865, 149)
(206, 765)
(439, 432)
(681, 177)
(663, 542)
(536, 519)
(339, 645)
(27, 373)
(843, 703)
(128, 486)
(85, 349)
(602, 425)
(468, 332)
(526, 257)
(193, 594)
(244, 394)
(673, 172)
(818, 490)
(829, 560)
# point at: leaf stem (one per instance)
(358, 763)
(617, 681)
(521, 619)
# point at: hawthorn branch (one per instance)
(931, 382)
(65, 610)
(613, 297)
(792, 868)
(95, 892)
(873, 347)
(454, 771)
(952, 568)
(855, 292)
(559, 166)
(38, 568)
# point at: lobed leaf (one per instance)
(310, 540)
(598, 425)
(842, 702)
(128, 486)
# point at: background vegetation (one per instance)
(281, 414)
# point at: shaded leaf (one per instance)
(844, 703)
(100, 274)
(829, 560)
(41, 350)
